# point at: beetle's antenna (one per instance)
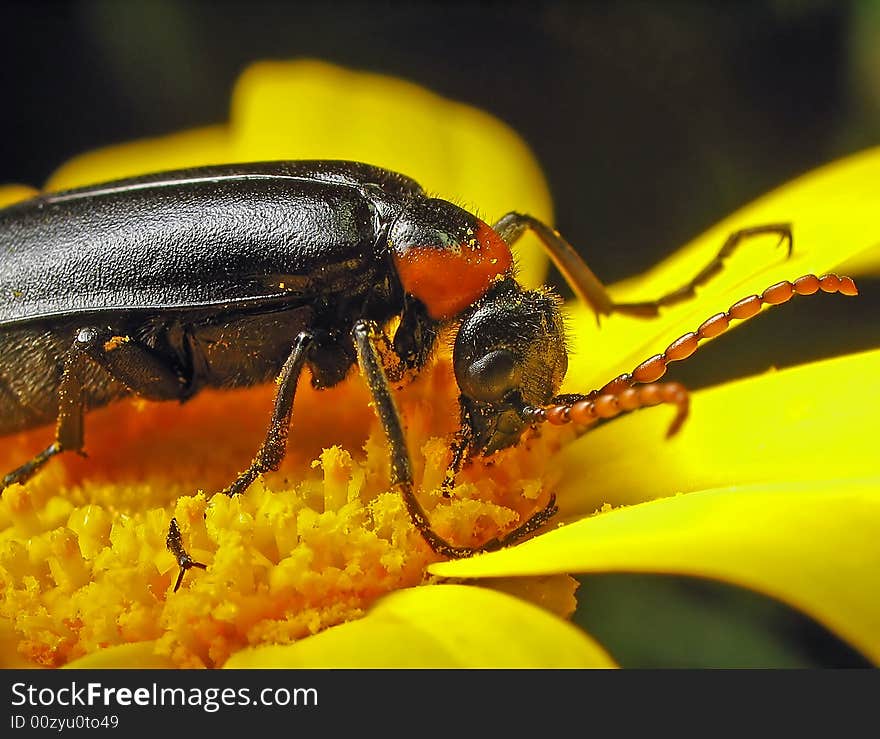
(585, 411)
(619, 395)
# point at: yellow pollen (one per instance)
(83, 563)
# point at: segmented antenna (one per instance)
(590, 410)
(620, 395)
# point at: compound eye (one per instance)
(490, 377)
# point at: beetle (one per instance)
(226, 276)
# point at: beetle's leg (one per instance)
(688, 289)
(272, 450)
(174, 544)
(459, 447)
(414, 339)
(590, 289)
(143, 371)
(368, 337)
(69, 425)
(573, 268)
(136, 366)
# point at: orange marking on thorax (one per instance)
(449, 280)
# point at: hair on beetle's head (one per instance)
(509, 354)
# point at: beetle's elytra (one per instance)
(228, 276)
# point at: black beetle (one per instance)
(227, 276)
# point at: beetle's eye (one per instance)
(490, 377)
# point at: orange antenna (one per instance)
(620, 395)
(588, 411)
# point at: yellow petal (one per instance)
(811, 422)
(810, 545)
(865, 263)
(313, 110)
(441, 626)
(833, 215)
(555, 593)
(136, 656)
(10, 194)
(192, 148)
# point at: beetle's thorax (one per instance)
(445, 256)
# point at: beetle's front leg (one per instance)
(274, 446)
(139, 368)
(590, 289)
(368, 337)
(459, 446)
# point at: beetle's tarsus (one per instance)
(530, 526)
(650, 309)
(174, 544)
(241, 483)
(271, 452)
(184, 568)
(26, 471)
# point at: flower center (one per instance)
(83, 563)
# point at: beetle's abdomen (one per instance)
(246, 349)
(204, 242)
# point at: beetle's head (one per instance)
(509, 355)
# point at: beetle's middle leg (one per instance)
(143, 371)
(590, 289)
(368, 338)
(272, 450)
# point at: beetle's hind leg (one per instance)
(368, 337)
(69, 424)
(174, 544)
(140, 369)
(590, 289)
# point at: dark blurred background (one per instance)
(651, 120)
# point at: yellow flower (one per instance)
(318, 565)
